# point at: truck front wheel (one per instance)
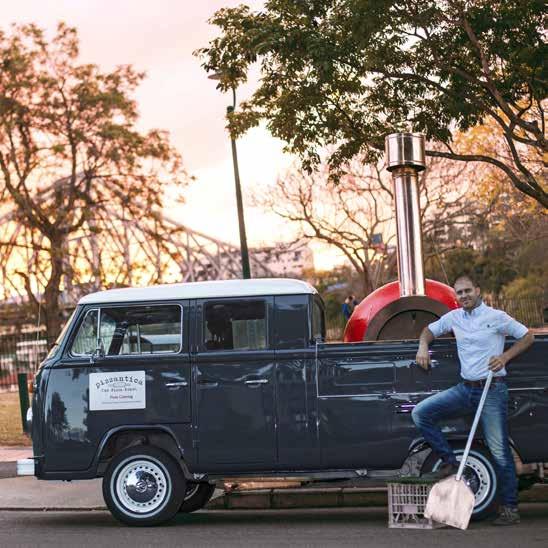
(143, 485)
(480, 475)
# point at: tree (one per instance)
(505, 242)
(69, 146)
(357, 216)
(345, 73)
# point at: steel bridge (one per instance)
(124, 252)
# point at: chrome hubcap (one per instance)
(142, 486)
(477, 477)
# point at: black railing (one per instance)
(529, 312)
(21, 353)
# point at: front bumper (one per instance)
(25, 467)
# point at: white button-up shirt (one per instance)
(480, 335)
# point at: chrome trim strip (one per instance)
(407, 394)
(384, 394)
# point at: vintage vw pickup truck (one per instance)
(164, 391)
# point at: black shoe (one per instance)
(507, 516)
(445, 470)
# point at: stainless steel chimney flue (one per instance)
(405, 158)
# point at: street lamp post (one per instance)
(246, 271)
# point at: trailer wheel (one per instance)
(197, 496)
(143, 486)
(480, 475)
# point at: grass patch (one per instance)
(11, 429)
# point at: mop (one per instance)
(451, 501)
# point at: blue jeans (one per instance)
(461, 400)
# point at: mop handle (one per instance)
(474, 425)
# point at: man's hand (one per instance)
(496, 363)
(423, 358)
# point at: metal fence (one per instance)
(530, 312)
(21, 353)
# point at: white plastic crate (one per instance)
(406, 503)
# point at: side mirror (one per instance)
(98, 353)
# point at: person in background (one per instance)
(348, 307)
(480, 332)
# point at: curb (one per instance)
(347, 497)
(8, 469)
(277, 499)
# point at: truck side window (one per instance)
(237, 325)
(85, 341)
(134, 330)
(318, 327)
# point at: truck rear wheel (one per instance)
(480, 475)
(197, 496)
(143, 486)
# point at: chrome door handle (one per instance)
(206, 383)
(257, 381)
(179, 383)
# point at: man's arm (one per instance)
(423, 358)
(496, 363)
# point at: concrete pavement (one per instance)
(10, 454)
(329, 527)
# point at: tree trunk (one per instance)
(366, 282)
(52, 292)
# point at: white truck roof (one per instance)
(202, 290)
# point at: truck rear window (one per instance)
(237, 325)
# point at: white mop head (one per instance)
(450, 502)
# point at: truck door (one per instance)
(142, 378)
(233, 372)
(296, 405)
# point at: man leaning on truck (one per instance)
(480, 332)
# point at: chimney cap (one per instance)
(405, 150)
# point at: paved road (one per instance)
(264, 528)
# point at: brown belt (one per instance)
(481, 383)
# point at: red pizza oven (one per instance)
(384, 314)
(401, 309)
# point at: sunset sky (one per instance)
(159, 37)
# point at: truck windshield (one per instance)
(56, 345)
